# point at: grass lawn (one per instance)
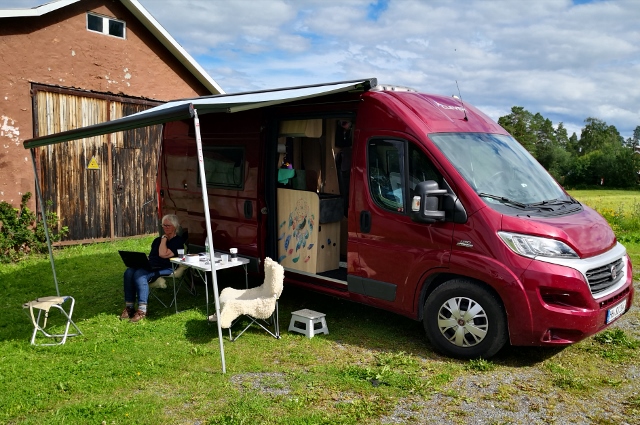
(373, 368)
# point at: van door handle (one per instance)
(365, 221)
(248, 209)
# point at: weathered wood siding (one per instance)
(118, 198)
(135, 164)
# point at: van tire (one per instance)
(481, 335)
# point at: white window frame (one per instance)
(105, 25)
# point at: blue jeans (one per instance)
(136, 281)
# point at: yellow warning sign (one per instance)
(93, 164)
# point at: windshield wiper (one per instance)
(504, 200)
(552, 202)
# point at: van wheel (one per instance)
(464, 320)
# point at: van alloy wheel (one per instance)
(465, 319)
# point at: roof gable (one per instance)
(147, 20)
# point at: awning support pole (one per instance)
(44, 219)
(207, 220)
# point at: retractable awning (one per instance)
(178, 110)
(186, 109)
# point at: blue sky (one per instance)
(567, 59)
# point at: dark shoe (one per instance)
(138, 316)
(127, 313)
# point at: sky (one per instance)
(568, 60)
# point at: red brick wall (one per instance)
(57, 49)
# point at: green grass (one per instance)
(608, 199)
(167, 369)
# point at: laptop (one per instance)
(136, 260)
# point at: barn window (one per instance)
(105, 25)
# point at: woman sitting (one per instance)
(136, 281)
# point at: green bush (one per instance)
(21, 233)
(611, 167)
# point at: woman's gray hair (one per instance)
(173, 219)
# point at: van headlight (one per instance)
(535, 246)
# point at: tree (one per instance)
(537, 135)
(624, 168)
(597, 135)
(573, 145)
(517, 123)
(545, 140)
(599, 155)
(633, 142)
(562, 137)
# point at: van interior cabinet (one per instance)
(309, 230)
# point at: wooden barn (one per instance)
(72, 63)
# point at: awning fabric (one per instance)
(183, 109)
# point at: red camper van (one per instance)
(414, 203)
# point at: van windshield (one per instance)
(499, 169)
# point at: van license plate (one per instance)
(614, 312)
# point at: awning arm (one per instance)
(207, 220)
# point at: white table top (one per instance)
(205, 266)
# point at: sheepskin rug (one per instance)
(259, 302)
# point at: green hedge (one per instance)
(22, 233)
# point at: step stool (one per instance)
(309, 319)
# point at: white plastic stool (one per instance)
(43, 305)
(308, 318)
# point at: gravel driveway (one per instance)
(523, 395)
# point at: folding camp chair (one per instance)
(180, 274)
(43, 305)
(259, 305)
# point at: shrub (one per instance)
(22, 233)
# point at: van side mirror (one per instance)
(426, 202)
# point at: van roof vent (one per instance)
(390, 87)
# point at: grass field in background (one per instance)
(626, 200)
(374, 367)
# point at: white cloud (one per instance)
(566, 61)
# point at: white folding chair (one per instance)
(43, 305)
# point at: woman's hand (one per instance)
(163, 251)
(169, 233)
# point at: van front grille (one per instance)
(604, 277)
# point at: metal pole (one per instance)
(207, 219)
(44, 219)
